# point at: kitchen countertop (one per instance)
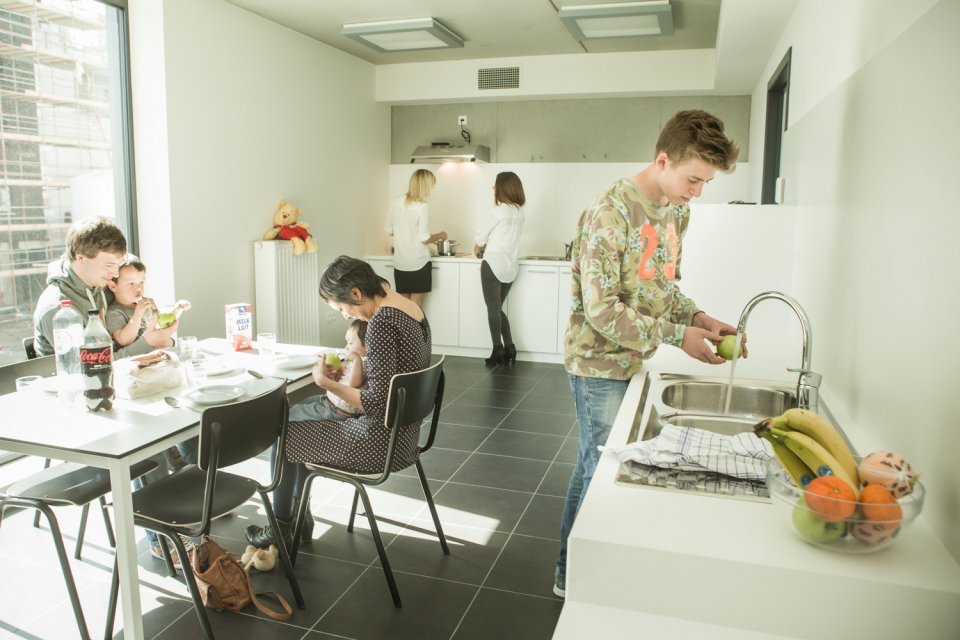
(468, 257)
(688, 562)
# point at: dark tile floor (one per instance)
(498, 470)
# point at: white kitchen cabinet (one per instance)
(442, 305)
(474, 331)
(383, 267)
(563, 305)
(533, 308)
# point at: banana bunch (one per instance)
(808, 446)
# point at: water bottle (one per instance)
(96, 364)
(67, 338)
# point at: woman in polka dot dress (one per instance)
(398, 341)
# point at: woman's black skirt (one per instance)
(419, 281)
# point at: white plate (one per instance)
(216, 394)
(296, 362)
(217, 369)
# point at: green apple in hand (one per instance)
(165, 319)
(813, 528)
(726, 346)
(333, 361)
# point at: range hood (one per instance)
(438, 152)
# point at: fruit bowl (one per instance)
(826, 524)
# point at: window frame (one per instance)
(778, 102)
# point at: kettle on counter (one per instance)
(567, 250)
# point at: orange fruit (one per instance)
(878, 504)
(830, 498)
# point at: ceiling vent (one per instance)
(498, 78)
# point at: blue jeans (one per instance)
(598, 401)
(316, 407)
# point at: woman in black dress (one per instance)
(398, 341)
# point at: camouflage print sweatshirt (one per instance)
(625, 302)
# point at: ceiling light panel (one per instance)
(618, 20)
(403, 35)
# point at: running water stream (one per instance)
(733, 370)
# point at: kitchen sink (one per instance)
(548, 258)
(746, 400)
(698, 402)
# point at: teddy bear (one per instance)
(261, 559)
(286, 227)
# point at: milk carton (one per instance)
(239, 325)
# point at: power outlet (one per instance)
(462, 121)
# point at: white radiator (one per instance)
(288, 303)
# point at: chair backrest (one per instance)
(242, 430)
(414, 395)
(29, 348)
(44, 366)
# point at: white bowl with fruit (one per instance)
(830, 498)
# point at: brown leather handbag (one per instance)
(225, 585)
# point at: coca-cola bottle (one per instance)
(96, 364)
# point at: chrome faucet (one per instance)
(808, 384)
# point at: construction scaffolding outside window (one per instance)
(61, 149)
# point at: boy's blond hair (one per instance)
(90, 236)
(698, 134)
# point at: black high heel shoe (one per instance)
(509, 354)
(497, 357)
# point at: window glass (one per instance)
(63, 142)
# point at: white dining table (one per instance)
(36, 423)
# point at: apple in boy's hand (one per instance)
(726, 346)
(333, 361)
(165, 319)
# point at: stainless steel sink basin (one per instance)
(710, 397)
(550, 258)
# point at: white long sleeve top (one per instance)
(409, 224)
(501, 237)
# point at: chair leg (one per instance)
(353, 510)
(299, 518)
(64, 564)
(106, 523)
(36, 516)
(433, 508)
(282, 548)
(387, 571)
(82, 530)
(112, 602)
(191, 582)
(168, 557)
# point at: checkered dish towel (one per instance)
(742, 456)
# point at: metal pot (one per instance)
(445, 247)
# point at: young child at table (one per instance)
(130, 313)
(330, 406)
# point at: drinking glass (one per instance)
(267, 345)
(188, 347)
(26, 382)
(196, 371)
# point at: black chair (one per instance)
(186, 502)
(29, 348)
(413, 396)
(67, 484)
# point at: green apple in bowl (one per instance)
(726, 346)
(813, 528)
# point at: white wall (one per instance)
(557, 193)
(869, 159)
(240, 112)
